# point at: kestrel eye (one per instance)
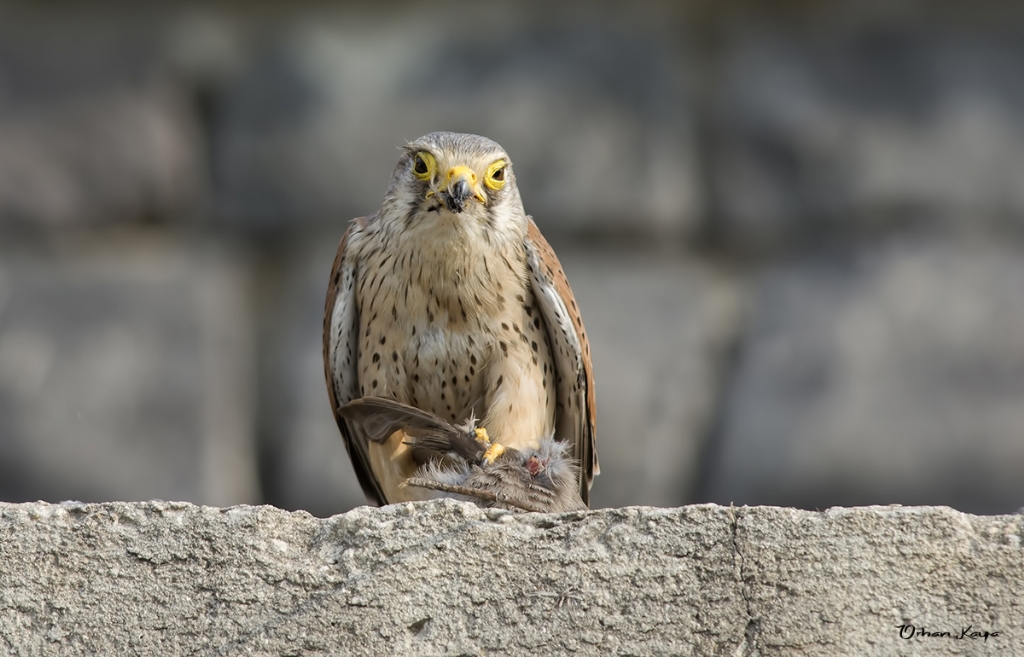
(496, 175)
(423, 165)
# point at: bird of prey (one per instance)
(448, 299)
(462, 460)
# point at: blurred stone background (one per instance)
(794, 229)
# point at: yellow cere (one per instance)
(424, 165)
(462, 171)
(495, 178)
(482, 437)
(493, 452)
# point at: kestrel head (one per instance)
(453, 177)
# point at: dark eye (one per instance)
(424, 165)
(495, 178)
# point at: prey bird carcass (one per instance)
(462, 461)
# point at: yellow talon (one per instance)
(482, 437)
(493, 452)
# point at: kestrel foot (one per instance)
(493, 452)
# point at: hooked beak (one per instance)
(461, 185)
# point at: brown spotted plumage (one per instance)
(449, 299)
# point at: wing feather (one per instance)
(341, 340)
(576, 414)
(379, 417)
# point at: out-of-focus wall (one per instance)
(793, 230)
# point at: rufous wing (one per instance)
(576, 413)
(341, 333)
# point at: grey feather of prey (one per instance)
(542, 479)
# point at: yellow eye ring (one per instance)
(424, 165)
(495, 178)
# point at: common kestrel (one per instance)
(448, 299)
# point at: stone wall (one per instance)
(793, 230)
(447, 578)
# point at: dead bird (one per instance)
(462, 461)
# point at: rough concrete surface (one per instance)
(447, 578)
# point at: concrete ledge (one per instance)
(446, 578)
